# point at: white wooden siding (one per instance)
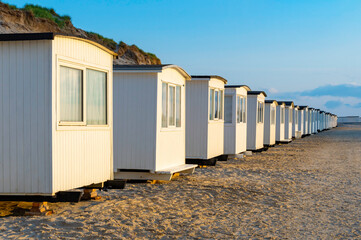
(196, 119)
(82, 155)
(269, 129)
(25, 117)
(300, 121)
(255, 131)
(288, 124)
(135, 108)
(280, 127)
(170, 142)
(294, 124)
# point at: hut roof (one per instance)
(238, 86)
(271, 101)
(208, 77)
(256, 93)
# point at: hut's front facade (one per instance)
(295, 132)
(305, 120)
(205, 119)
(235, 119)
(270, 119)
(153, 149)
(288, 120)
(57, 99)
(280, 122)
(310, 120)
(255, 119)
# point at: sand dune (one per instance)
(310, 188)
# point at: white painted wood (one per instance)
(280, 124)
(36, 157)
(140, 141)
(204, 137)
(288, 123)
(301, 113)
(255, 131)
(235, 134)
(295, 121)
(270, 126)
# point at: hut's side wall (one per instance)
(260, 126)
(273, 128)
(135, 107)
(267, 124)
(170, 141)
(82, 155)
(25, 117)
(295, 124)
(288, 123)
(196, 119)
(300, 121)
(230, 128)
(241, 129)
(215, 127)
(251, 122)
(280, 127)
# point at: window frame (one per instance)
(66, 125)
(171, 127)
(212, 116)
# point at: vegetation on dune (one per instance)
(48, 13)
(150, 55)
(110, 43)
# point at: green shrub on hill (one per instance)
(47, 13)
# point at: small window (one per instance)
(216, 108)
(211, 104)
(282, 111)
(273, 115)
(221, 104)
(164, 105)
(244, 117)
(290, 115)
(71, 94)
(96, 97)
(171, 105)
(228, 107)
(260, 112)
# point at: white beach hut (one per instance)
(280, 122)
(270, 119)
(255, 120)
(310, 120)
(149, 122)
(204, 120)
(288, 120)
(295, 132)
(235, 115)
(301, 113)
(305, 120)
(56, 107)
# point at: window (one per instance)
(282, 113)
(72, 83)
(211, 104)
(296, 116)
(171, 105)
(290, 115)
(96, 97)
(215, 104)
(71, 95)
(260, 112)
(244, 110)
(273, 115)
(241, 109)
(228, 107)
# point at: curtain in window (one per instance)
(96, 97)
(71, 94)
(178, 106)
(164, 105)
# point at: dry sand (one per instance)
(308, 189)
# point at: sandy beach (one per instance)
(308, 189)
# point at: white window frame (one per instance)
(175, 106)
(212, 104)
(66, 125)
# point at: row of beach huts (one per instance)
(71, 119)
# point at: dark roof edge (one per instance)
(257, 93)
(210, 76)
(238, 86)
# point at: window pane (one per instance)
(96, 97)
(221, 105)
(164, 105)
(244, 109)
(290, 115)
(211, 104)
(71, 94)
(171, 106)
(178, 106)
(228, 106)
(216, 110)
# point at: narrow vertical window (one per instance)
(244, 109)
(221, 105)
(171, 106)
(216, 108)
(71, 94)
(164, 105)
(290, 115)
(211, 104)
(178, 106)
(96, 97)
(238, 109)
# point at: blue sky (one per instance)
(278, 46)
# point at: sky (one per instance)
(288, 48)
